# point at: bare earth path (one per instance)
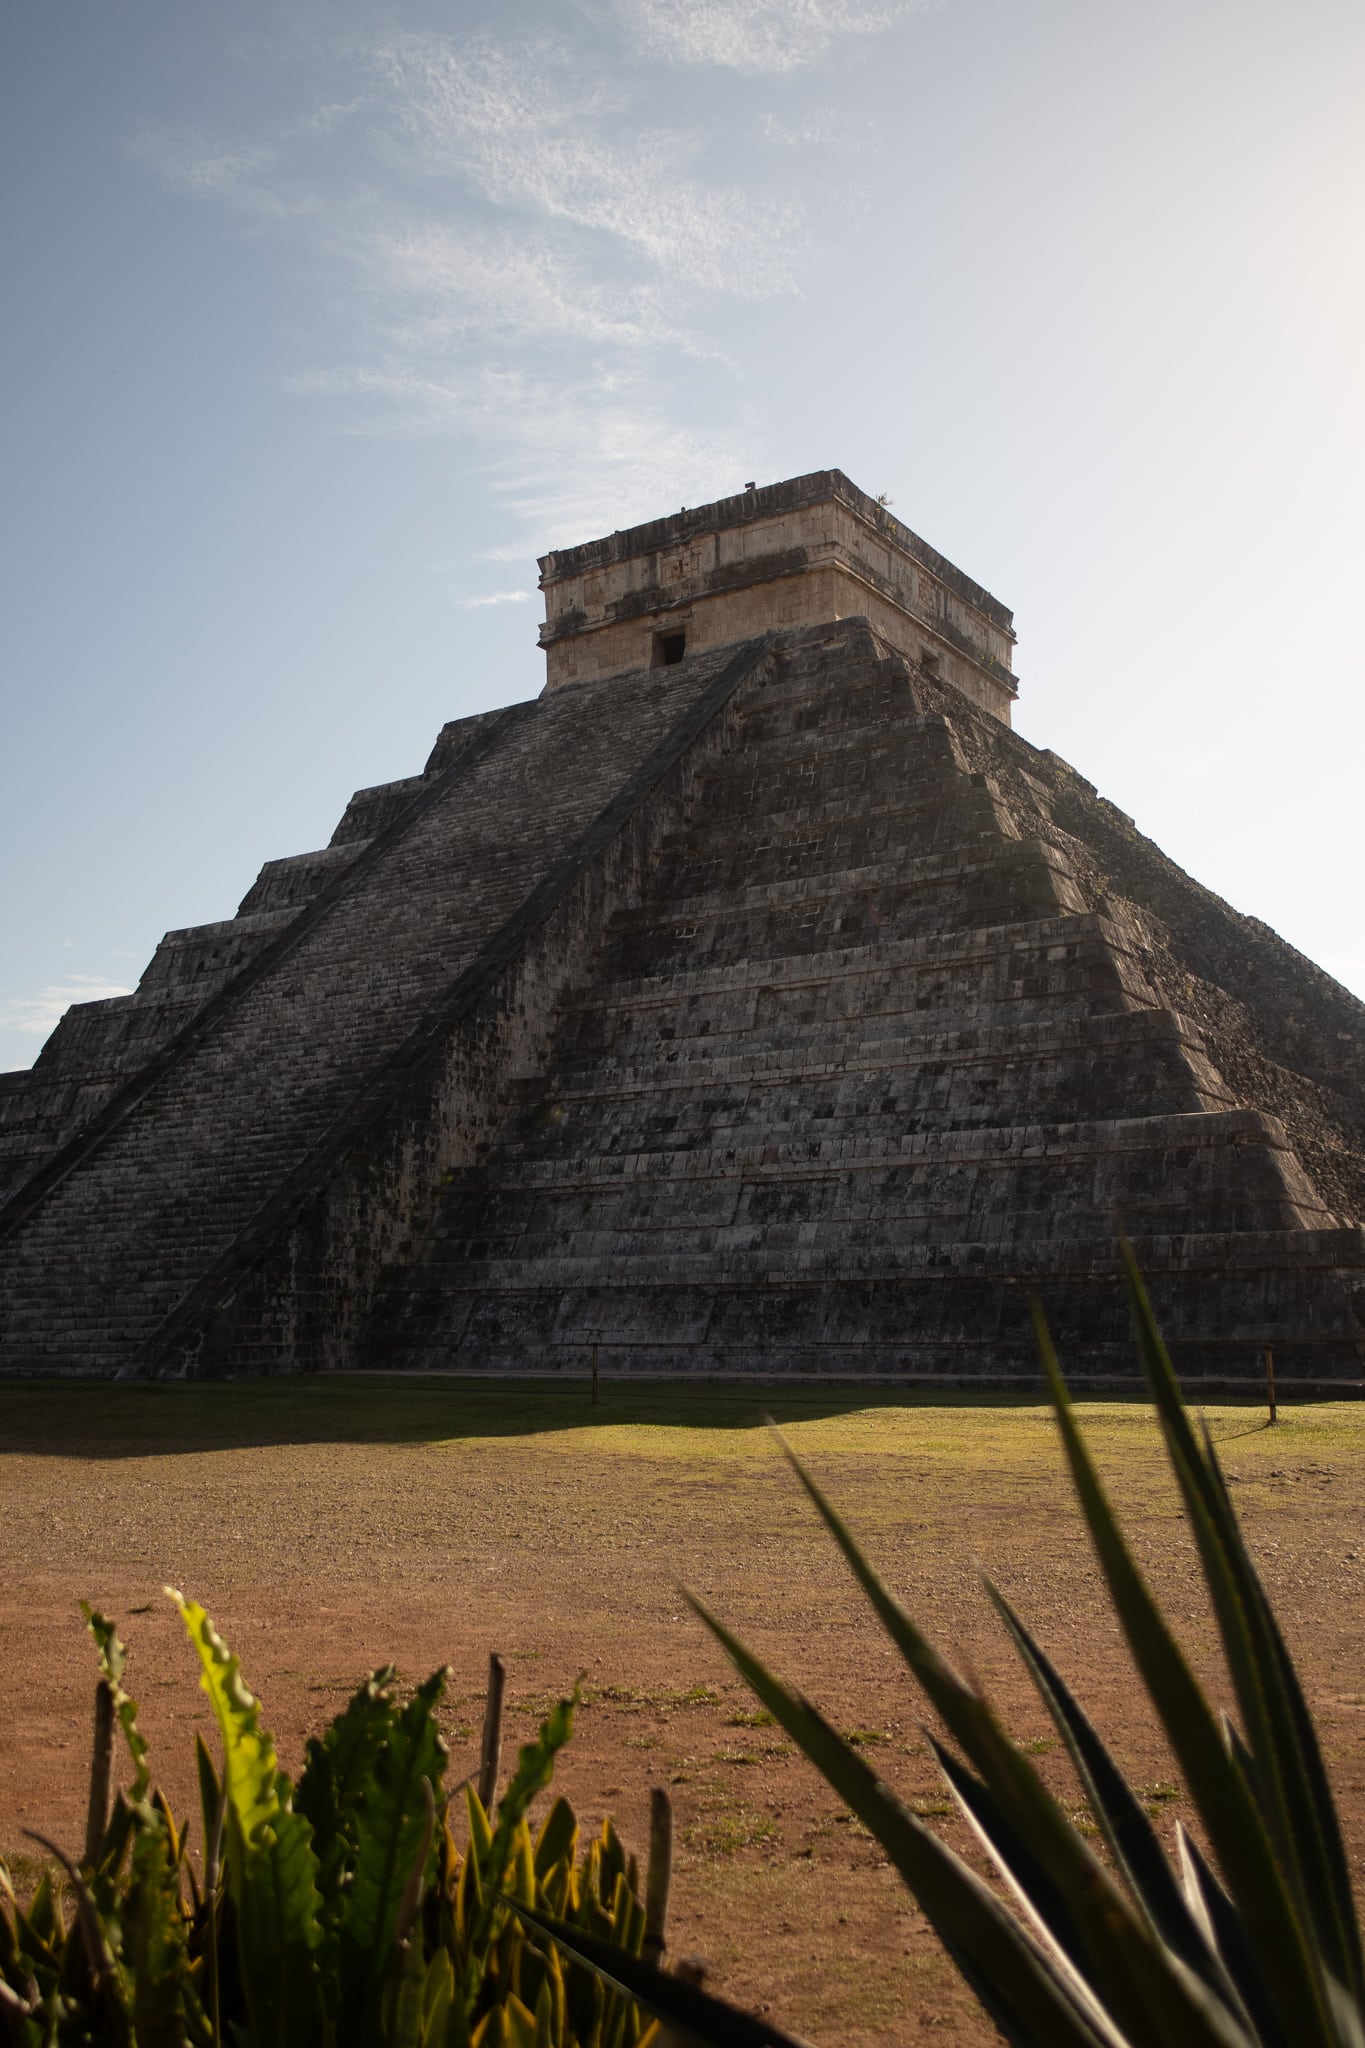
(329, 1525)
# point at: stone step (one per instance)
(869, 703)
(941, 1310)
(794, 781)
(755, 848)
(174, 1182)
(1185, 1142)
(909, 873)
(1046, 940)
(754, 1231)
(921, 1097)
(887, 1044)
(935, 895)
(807, 677)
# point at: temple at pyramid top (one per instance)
(799, 553)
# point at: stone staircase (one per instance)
(862, 1068)
(152, 1200)
(99, 1047)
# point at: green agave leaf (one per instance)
(1019, 1984)
(1045, 1904)
(1236, 1828)
(1132, 1840)
(1107, 1943)
(1196, 2012)
(694, 2013)
(113, 1657)
(271, 1868)
(388, 1816)
(1290, 1776)
(1228, 1935)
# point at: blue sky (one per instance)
(323, 321)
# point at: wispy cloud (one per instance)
(526, 130)
(495, 597)
(821, 130)
(447, 284)
(752, 35)
(253, 179)
(536, 256)
(38, 1014)
(564, 456)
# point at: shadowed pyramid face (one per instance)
(765, 1008)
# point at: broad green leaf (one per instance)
(271, 1868)
(399, 2020)
(480, 1833)
(388, 1817)
(336, 1767)
(557, 1841)
(154, 1950)
(438, 1992)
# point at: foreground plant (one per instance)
(335, 1913)
(1258, 1948)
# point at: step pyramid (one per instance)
(772, 1010)
(871, 1061)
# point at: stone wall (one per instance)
(794, 554)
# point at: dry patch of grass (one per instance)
(329, 1525)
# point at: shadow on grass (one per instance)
(106, 1419)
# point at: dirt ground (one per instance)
(331, 1525)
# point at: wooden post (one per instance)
(1270, 1384)
(492, 1733)
(594, 1375)
(101, 1803)
(659, 1875)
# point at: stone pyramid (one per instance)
(753, 1002)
